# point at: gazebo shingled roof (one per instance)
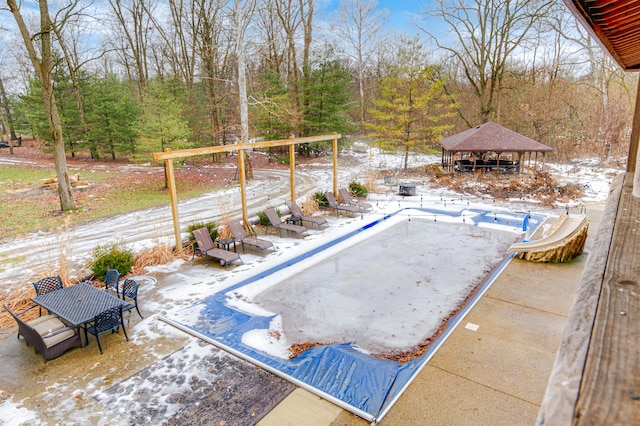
(492, 137)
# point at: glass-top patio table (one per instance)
(80, 303)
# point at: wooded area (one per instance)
(131, 77)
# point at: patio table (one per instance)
(80, 303)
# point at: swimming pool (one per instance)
(370, 307)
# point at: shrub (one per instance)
(358, 189)
(211, 226)
(111, 257)
(321, 199)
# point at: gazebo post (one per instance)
(520, 155)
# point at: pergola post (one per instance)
(242, 179)
(334, 145)
(292, 171)
(173, 196)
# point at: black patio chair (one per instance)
(110, 320)
(112, 280)
(130, 290)
(47, 285)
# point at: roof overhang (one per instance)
(615, 24)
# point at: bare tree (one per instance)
(43, 66)
(486, 33)
(68, 37)
(242, 17)
(272, 36)
(360, 25)
(296, 16)
(134, 25)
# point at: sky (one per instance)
(401, 12)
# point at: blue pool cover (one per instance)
(366, 385)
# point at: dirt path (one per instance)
(31, 256)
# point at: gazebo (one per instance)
(472, 149)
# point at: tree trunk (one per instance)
(9, 119)
(43, 68)
(243, 18)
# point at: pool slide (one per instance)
(569, 232)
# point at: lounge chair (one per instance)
(297, 216)
(238, 233)
(48, 335)
(346, 198)
(277, 223)
(208, 248)
(341, 207)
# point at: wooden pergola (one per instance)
(596, 376)
(168, 156)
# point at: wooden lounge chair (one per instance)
(277, 223)
(208, 248)
(341, 207)
(238, 233)
(346, 199)
(297, 216)
(48, 335)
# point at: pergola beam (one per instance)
(168, 156)
(238, 146)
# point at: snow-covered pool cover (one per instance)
(381, 289)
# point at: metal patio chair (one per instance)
(112, 281)
(47, 285)
(110, 320)
(130, 290)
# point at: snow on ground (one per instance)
(181, 284)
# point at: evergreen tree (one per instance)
(111, 117)
(162, 123)
(328, 99)
(273, 109)
(412, 103)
